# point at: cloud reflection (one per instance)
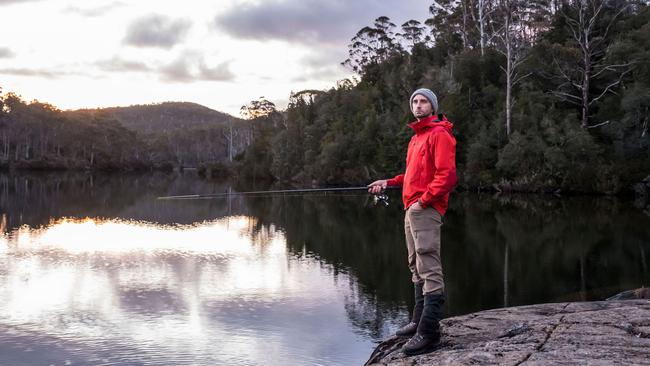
(74, 236)
(216, 292)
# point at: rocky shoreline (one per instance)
(615, 332)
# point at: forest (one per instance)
(164, 136)
(545, 96)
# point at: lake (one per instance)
(94, 270)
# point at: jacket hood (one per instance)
(430, 122)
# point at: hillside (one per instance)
(156, 118)
(41, 136)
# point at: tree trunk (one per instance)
(26, 148)
(508, 99)
(509, 73)
(585, 86)
(230, 143)
(5, 147)
(481, 20)
(465, 45)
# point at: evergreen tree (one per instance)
(372, 45)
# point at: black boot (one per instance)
(427, 338)
(410, 328)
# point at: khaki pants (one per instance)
(422, 229)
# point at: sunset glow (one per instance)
(220, 54)
(75, 236)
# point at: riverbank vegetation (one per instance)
(546, 95)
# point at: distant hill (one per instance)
(164, 117)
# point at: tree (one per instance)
(413, 33)
(4, 152)
(257, 108)
(484, 10)
(2, 109)
(444, 25)
(372, 45)
(518, 23)
(589, 23)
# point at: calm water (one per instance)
(95, 271)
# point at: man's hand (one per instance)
(377, 186)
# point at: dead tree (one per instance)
(513, 44)
(583, 20)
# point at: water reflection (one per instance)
(93, 291)
(514, 250)
(95, 268)
(114, 236)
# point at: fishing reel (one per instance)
(380, 198)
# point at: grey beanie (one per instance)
(427, 94)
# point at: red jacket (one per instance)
(430, 164)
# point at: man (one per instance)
(429, 178)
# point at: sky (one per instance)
(220, 53)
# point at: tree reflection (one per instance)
(497, 251)
(35, 199)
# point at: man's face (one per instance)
(421, 107)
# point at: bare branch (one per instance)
(519, 59)
(566, 95)
(565, 76)
(592, 20)
(471, 13)
(576, 35)
(613, 20)
(610, 86)
(435, 3)
(598, 125)
(517, 80)
(610, 68)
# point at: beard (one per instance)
(421, 114)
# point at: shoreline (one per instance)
(639, 190)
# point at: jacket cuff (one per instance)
(424, 201)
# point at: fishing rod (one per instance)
(379, 198)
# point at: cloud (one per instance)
(322, 63)
(177, 71)
(322, 73)
(303, 21)
(8, 2)
(6, 53)
(221, 72)
(31, 72)
(312, 21)
(117, 64)
(94, 11)
(156, 31)
(324, 57)
(190, 67)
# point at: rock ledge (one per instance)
(594, 333)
